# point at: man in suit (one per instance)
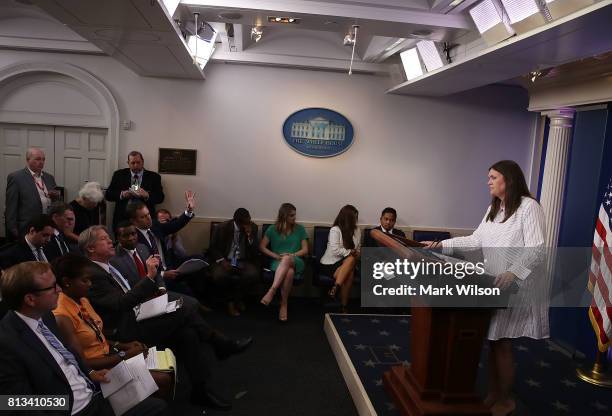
(154, 234)
(130, 259)
(63, 219)
(134, 184)
(30, 247)
(388, 217)
(234, 255)
(115, 298)
(34, 359)
(29, 192)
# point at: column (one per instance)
(555, 170)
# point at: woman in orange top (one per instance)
(78, 321)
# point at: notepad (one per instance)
(163, 361)
(135, 390)
(156, 306)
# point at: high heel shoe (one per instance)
(332, 292)
(282, 313)
(268, 297)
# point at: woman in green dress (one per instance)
(288, 244)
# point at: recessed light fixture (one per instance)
(280, 19)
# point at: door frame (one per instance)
(88, 84)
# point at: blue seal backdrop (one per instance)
(318, 132)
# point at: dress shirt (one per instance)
(43, 192)
(81, 392)
(116, 274)
(37, 251)
(61, 242)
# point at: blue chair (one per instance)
(319, 244)
(267, 274)
(420, 235)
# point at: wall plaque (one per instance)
(318, 132)
(177, 161)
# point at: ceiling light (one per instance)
(280, 19)
(411, 63)
(487, 17)
(524, 15)
(538, 73)
(432, 58)
(456, 3)
(256, 33)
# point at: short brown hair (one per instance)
(18, 281)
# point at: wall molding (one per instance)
(88, 84)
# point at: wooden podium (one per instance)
(445, 347)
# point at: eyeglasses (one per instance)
(54, 287)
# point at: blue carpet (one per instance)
(546, 382)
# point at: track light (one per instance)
(256, 33)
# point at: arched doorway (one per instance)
(64, 110)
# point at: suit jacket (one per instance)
(26, 366)
(115, 307)
(162, 231)
(16, 253)
(52, 250)
(370, 242)
(124, 262)
(22, 199)
(223, 238)
(122, 180)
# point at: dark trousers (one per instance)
(99, 406)
(236, 282)
(185, 332)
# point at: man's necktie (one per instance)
(119, 279)
(134, 180)
(38, 253)
(67, 355)
(62, 244)
(154, 248)
(139, 266)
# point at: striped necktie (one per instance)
(67, 355)
(118, 278)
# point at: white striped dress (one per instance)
(503, 248)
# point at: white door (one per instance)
(80, 156)
(75, 155)
(15, 139)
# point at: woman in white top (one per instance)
(342, 253)
(514, 220)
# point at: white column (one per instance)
(555, 170)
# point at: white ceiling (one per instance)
(141, 35)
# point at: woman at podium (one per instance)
(514, 220)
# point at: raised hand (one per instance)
(190, 198)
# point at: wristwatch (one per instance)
(121, 354)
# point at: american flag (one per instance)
(600, 274)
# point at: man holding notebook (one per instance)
(115, 300)
(35, 359)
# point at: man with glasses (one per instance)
(35, 360)
(114, 298)
(30, 247)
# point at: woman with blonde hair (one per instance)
(288, 244)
